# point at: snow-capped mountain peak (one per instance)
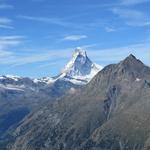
(79, 56)
(79, 51)
(80, 67)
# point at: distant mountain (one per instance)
(76, 73)
(80, 69)
(20, 96)
(110, 113)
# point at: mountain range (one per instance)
(20, 96)
(108, 111)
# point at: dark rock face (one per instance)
(20, 97)
(11, 118)
(110, 113)
(59, 88)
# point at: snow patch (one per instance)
(11, 87)
(137, 79)
(47, 80)
(16, 78)
(72, 90)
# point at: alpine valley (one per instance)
(85, 107)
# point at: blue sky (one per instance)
(37, 37)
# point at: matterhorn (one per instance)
(80, 69)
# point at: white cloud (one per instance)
(74, 37)
(133, 2)
(66, 22)
(9, 56)
(6, 41)
(4, 53)
(6, 6)
(6, 23)
(114, 55)
(128, 13)
(110, 29)
(12, 37)
(6, 26)
(132, 17)
(100, 56)
(38, 0)
(20, 59)
(56, 21)
(88, 46)
(48, 64)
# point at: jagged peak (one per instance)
(131, 65)
(132, 56)
(79, 51)
(131, 59)
(80, 66)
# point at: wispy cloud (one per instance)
(133, 2)
(6, 41)
(12, 37)
(66, 22)
(5, 20)
(4, 53)
(100, 56)
(132, 17)
(9, 56)
(110, 29)
(6, 6)
(55, 21)
(6, 23)
(15, 59)
(88, 46)
(74, 37)
(6, 26)
(47, 64)
(116, 54)
(38, 0)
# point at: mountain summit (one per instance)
(80, 67)
(132, 59)
(133, 66)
